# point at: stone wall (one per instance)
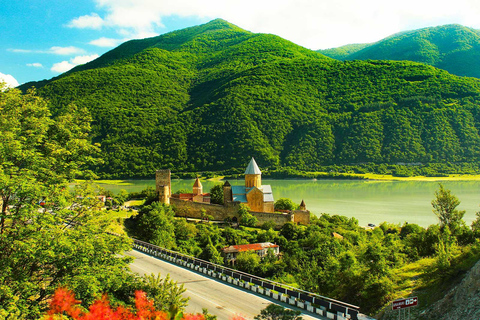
(192, 209)
(302, 217)
(279, 218)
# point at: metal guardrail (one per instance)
(324, 306)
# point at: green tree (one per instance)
(246, 218)
(247, 261)
(444, 207)
(216, 194)
(63, 242)
(155, 224)
(285, 204)
(166, 293)
(211, 253)
(276, 312)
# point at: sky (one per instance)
(41, 39)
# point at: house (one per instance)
(230, 253)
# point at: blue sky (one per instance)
(42, 39)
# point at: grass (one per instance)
(423, 279)
(452, 177)
(134, 203)
(116, 220)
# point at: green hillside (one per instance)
(210, 97)
(342, 53)
(454, 48)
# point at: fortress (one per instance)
(258, 197)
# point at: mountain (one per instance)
(454, 48)
(210, 97)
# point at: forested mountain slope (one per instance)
(454, 48)
(210, 97)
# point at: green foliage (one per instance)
(247, 261)
(210, 97)
(450, 47)
(285, 204)
(166, 293)
(62, 243)
(154, 224)
(216, 194)
(444, 207)
(276, 312)
(246, 218)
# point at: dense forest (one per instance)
(212, 96)
(454, 48)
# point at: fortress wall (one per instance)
(194, 209)
(302, 217)
(279, 218)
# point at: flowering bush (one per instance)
(63, 303)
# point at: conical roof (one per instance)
(197, 183)
(252, 168)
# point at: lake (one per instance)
(366, 200)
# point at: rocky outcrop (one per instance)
(460, 303)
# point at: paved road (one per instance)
(219, 298)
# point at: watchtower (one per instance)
(197, 187)
(227, 192)
(163, 185)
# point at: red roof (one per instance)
(249, 247)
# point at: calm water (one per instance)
(367, 201)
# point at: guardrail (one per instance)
(324, 306)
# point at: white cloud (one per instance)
(314, 24)
(105, 42)
(64, 66)
(65, 51)
(83, 59)
(35, 65)
(9, 80)
(20, 50)
(92, 21)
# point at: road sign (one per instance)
(405, 303)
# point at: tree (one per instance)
(155, 224)
(165, 293)
(276, 312)
(246, 218)
(216, 194)
(444, 207)
(476, 223)
(247, 261)
(211, 253)
(285, 204)
(63, 242)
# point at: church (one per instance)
(258, 197)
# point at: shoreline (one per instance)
(365, 177)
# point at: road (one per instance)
(220, 299)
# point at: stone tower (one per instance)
(163, 185)
(253, 175)
(302, 206)
(197, 187)
(227, 192)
